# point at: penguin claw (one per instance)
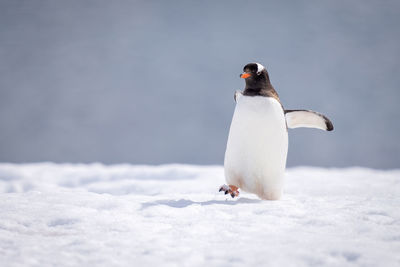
(224, 188)
(231, 189)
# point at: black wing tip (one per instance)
(329, 125)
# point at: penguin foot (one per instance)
(230, 189)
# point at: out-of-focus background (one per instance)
(150, 82)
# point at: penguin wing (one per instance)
(307, 118)
(237, 95)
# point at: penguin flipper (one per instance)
(307, 118)
(237, 95)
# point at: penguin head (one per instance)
(255, 75)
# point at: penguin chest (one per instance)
(255, 156)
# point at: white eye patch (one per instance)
(260, 68)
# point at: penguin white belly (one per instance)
(256, 151)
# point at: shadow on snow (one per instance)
(183, 203)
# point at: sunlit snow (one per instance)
(172, 215)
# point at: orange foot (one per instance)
(231, 189)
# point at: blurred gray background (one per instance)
(150, 82)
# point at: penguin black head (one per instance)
(256, 76)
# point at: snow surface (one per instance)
(172, 215)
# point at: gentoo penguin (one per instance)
(255, 156)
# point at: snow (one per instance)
(172, 215)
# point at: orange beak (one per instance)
(245, 75)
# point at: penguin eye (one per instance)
(250, 70)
